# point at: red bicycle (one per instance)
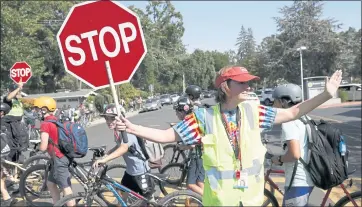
(348, 200)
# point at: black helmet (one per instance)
(110, 110)
(289, 91)
(5, 108)
(194, 91)
(183, 104)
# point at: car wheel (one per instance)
(267, 102)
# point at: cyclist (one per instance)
(7, 200)
(13, 122)
(196, 173)
(194, 93)
(229, 132)
(134, 178)
(59, 174)
(299, 186)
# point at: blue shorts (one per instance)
(297, 196)
(196, 172)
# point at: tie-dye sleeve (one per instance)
(266, 117)
(191, 129)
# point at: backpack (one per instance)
(73, 140)
(4, 145)
(326, 164)
(152, 151)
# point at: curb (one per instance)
(102, 121)
(354, 103)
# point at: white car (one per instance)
(174, 98)
(253, 98)
(266, 96)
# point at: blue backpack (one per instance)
(73, 140)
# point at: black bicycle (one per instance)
(33, 181)
(128, 197)
(173, 154)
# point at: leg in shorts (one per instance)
(59, 172)
(134, 182)
(196, 172)
(297, 196)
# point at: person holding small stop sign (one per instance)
(229, 132)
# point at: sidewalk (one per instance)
(352, 103)
(100, 120)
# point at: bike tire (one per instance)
(270, 199)
(172, 147)
(22, 185)
(175, 182)
(344, 200)
(163, 201)
(63, 201)
(31, 159)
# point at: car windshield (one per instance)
(150, 100)
(164, 96)
(173, 95)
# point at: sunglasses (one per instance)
(110, 118)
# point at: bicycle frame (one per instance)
(326, 196)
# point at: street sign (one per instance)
(98, 32)
(20, 71)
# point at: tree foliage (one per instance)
(28, 33)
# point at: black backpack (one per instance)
(326, 165)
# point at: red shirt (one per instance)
(52, 130)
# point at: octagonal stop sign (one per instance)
(20, 71)
(97, 32)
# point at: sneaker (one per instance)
(9, 202)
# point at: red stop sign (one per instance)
(20, 70)
(96, 32)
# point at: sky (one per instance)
(214, 25)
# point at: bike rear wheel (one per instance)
(269, 199)
(173, 155)
(176, 180)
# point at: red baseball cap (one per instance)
(236, 73)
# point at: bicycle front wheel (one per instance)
(172, 154)
(36, 160)
(80, 200)
(176, 180)
(32, 184)
(345, 201)
(181, 198)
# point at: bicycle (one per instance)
(349, 197)
(80, 171)
(178, 155)
(133, 198)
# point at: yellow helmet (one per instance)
(46, 101)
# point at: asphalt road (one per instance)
(348, 119)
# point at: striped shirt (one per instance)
(192, 128)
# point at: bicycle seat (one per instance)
(98, 151)
(159, 176)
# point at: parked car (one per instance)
(208, 94)
(353, 90)
(151, 105)
(166, 99)
(265, 96)
(174, 97)
(253, 98)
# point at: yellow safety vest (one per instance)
(220, 163)
(16, 109)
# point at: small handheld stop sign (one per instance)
(102, 44)
(20, 71)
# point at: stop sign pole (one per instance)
(113, 88)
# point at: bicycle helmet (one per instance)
(289, 91)
(194, 91)
(183, 104)
(46, 101)
(5, 108)
(110, 110)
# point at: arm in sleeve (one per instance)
(266, 117)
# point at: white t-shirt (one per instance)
(296, 130)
